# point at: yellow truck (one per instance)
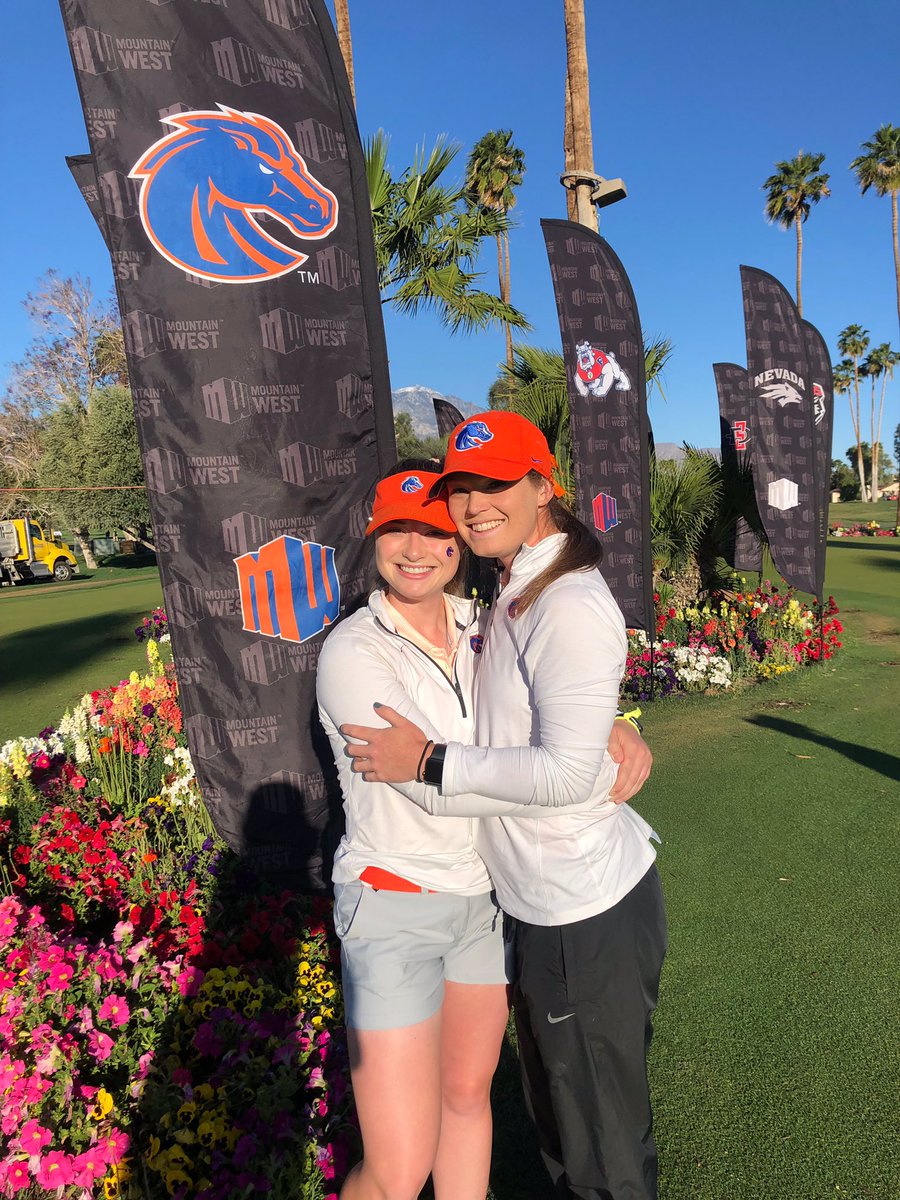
(26, 553)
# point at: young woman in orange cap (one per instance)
(588, 930)
(422, 953)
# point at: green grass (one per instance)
(775, 1067)
(851, 511)
(61, 640)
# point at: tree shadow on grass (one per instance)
(887, 544)
(876, 760)
(28, 654)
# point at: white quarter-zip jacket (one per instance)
(545, 701)
(363, 661)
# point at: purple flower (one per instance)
(148, 710)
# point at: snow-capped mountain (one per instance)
(417, 401)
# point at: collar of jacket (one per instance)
(532, 559)
(463, 608)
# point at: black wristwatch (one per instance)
(434, 766)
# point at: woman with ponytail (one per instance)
(580, 887)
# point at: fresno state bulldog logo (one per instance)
(472, 435)
(596, 371)
(203, 185)
(818, 403)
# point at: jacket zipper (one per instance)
(454, 682)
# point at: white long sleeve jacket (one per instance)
(545, 700)
(364, 661)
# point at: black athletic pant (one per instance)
(584, 997)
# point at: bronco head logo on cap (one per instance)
(472, 435)
(203, 184)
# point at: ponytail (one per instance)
(580, 552)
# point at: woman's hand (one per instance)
(631, 752)
(385, 755)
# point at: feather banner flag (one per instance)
(231, 177)
(603, 350)
(782, 425)
(744, 549)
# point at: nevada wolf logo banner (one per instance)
(781, 427)
(743, 549)
(604, 354)
(823, 426)
(228, 175)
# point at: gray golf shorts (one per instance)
(397, 948)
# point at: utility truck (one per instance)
(27, 554)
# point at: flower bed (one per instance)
(869, 529)
(167, 1028)
(741, 636)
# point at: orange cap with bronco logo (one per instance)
(405, 497)
(497, 445)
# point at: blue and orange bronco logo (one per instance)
(412, 483)
(472, 435)
(205, 182)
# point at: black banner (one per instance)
(743, 549)
(233, 188)
(85, 176)
(823, 427)
(604, 354)
(781, 427)
(447, 415)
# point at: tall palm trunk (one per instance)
(569, 148)
(877, 442)
(896, 249)
(873, 482)
(342, 20)
(506, 294)
(798, 222)
(582, 141)
(856, 414)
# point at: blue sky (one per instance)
(692, 105)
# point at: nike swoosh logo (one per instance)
(556, 1020)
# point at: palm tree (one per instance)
(493, 172)
(790, 193)
(853, 342)
(879, 167)
(428, 238)
(578, 94)
(880, 364)
(342, 24)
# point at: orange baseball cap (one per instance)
(405, 497)
(498, 445)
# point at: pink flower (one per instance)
(34, 1137)
(87, 1167)
(60, 977)
(54, 1170)
(114, 1146)
(100, 1045)
(189, 981)
(14, 1176)
(115, 1010)
(78, 782)
(140, 749)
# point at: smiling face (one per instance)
(415, 560)
(495, 517)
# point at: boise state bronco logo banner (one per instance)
(228, 171)
(781, 427)
(604, 354)
(823, 426)
(743, 549)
